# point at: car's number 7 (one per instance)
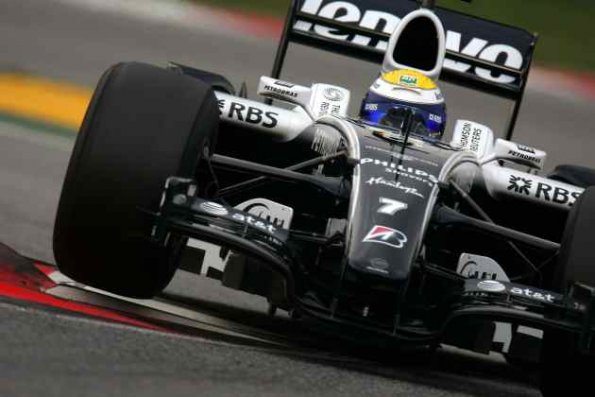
(391, 207)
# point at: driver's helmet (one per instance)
(402, 97)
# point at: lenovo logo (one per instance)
(476, 47)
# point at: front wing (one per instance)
(469, 300)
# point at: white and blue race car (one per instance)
(382, 235)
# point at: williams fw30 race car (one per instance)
(372, 226)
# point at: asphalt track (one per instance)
(53, 353)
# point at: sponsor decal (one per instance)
(542, 191)
(248, 114)
(436, 118)
(390, 206)
(520, 185)
(378, 265)
(371, 107)
(525, 149)
(277, 214)
(213, 208)
(400, 169)
(401, 156)
(379, 20)
(471, 138)
(333, 94)
(394, 185)
(523, 156)
(410, 79)
(387, 236)
(472, 269)
(252, 221)
(491, 286)
(406, 174)
(280, 91)
(326, 108)
(261, 210)
(481, 268)
(523, 292)
(284, 84)
(529, 293)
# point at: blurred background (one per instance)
(52, 53)
(565, 27)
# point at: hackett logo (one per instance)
(348, 12)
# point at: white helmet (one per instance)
(406, 99)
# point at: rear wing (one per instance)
(482, 55)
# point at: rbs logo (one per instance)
(248, 114)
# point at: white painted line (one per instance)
(162, 311)
(203, 320)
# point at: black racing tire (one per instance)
(576, 260)
(564, 369)
(143, 125)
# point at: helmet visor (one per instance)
(427, 120)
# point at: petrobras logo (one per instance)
(386, 236)
(382, 21)
(280, 91)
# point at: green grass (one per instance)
(267, 7)
(566, 27)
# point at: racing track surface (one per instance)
(51, 352)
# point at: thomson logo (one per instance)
(348, 12)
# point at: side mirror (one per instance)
(519, 154)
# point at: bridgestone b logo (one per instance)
(380, 20)
(386, 236)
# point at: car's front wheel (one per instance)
(567, 369)
(143, 125)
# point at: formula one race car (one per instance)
(375, 229)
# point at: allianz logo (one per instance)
(344, 11)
